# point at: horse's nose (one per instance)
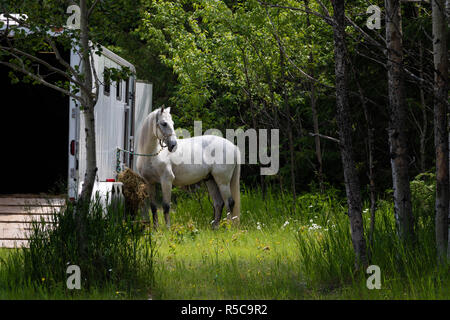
(172, 145)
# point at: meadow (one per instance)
(280, 250)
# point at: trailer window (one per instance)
(107, 82)
(127, 91)
(119, 90)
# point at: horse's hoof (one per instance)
(215, 225)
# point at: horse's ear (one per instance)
(168, 110)
(162, 108)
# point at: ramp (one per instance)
(18, 211)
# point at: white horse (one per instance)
(166, 167)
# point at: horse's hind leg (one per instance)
(218, 203)
(225, 192)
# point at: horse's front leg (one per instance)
(152, 195)
(166, 187)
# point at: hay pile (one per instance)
(134, 190)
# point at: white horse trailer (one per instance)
(51, 148)
(116, 123)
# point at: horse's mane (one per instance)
(146, 127)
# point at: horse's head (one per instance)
(164, 128)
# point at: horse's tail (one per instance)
(235, 187)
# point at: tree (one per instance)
(343, 120)
(440, 126)
(397, 127)
(314, 112)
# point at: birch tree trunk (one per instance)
(440, 126)
(397, 126)
(88, 107)
(346, 148)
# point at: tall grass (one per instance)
(301, 252)
(281, 250)
(113, 253)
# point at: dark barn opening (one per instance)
(34, 134)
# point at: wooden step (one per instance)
(11, 244)
(16, 213)
(32, 202)
(25, 218)
(28, 210)
(16, 232)
(10, 231)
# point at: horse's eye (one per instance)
(164, 124)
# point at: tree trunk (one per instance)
(346, 148)
(440, 126)
(89, 120)
(251, 102)
(88, 107)
(424, 131)
(397, 127)
(287, 112)
(314, 111)
(370, 148)
(447, 9)
(317, 137)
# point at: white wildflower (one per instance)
(315, 227)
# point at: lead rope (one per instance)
(118, 169)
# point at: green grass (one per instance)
(278, 252)
(227, 264)
(281, 253)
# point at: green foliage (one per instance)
(423, 195)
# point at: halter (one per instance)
(143, 154)
(165, 136)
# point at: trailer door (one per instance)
(142, 107)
